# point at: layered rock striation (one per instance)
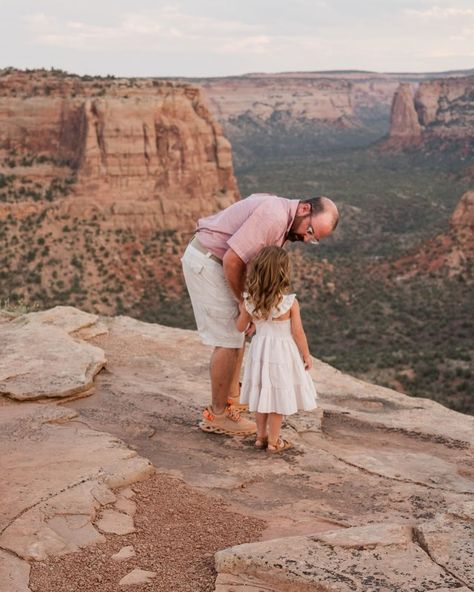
(151, 147)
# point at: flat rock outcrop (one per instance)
(376, 493)
(42, 340)
(375, 557)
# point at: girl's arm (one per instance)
(243, 320)
(299, 336)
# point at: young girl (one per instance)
(275, 381)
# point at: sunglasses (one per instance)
(310, 229)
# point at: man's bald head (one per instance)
(325, 206)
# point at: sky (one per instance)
(200, 38)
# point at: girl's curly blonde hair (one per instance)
(268, 280)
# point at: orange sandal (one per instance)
(261, 443)
(279, 446)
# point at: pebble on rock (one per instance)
(124, 553)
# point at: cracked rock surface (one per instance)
(375, 494)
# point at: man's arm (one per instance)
(234, 272)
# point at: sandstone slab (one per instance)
(14, 573)
(449, 540)
(42, 360)
(58, 475)
(322, 563)
(115, 522)
(136, 577)
(125, 505)
(68, 318)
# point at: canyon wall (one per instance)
(101, 183)
(145, 149)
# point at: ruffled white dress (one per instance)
(274, 379)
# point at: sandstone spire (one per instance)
(404, 123)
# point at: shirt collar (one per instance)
(294, 203)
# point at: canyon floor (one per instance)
(101, 452)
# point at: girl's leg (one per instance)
(274, 426)
(261, 420)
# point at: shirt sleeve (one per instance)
(266, 226)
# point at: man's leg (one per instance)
(225, 365)
(234, 389)
(222, 418)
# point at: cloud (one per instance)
(437, 12)
(154, 29)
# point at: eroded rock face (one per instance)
(148, 153)
(440, 115)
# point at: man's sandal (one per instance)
(279, 446)
(229, 423)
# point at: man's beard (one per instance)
(292, 236)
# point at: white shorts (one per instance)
(214, 305)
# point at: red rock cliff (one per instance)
(101, 184)
(144, 149)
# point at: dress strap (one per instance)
(285, 305)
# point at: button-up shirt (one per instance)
(260, 220)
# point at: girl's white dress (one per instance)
(275, 380)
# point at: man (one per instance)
(214, 266)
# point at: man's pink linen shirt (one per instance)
(260, 220)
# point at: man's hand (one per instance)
(250, 329)
(234, 272)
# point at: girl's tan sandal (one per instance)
(279, 446)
